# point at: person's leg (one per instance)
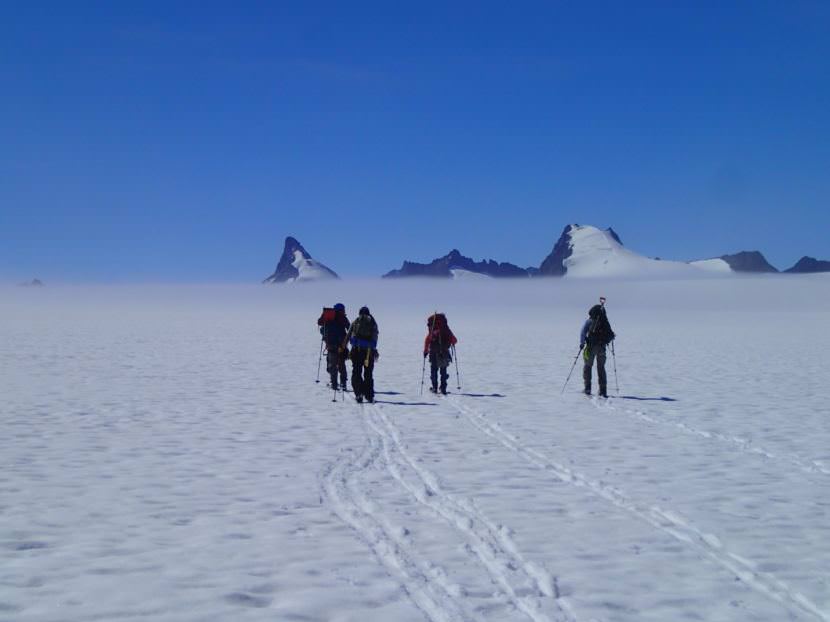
(357, 380)
(433, 373)
(601, 378)
(331, 367)
(341, 357)
(588, 357)
(444, 376)
(369, 379)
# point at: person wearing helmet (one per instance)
(363, 337)
(595, 336)
(334, 327)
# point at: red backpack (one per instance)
(439, 330)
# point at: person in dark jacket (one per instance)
(334, 327)
(594, 338)
(437, 346)
(363, 337)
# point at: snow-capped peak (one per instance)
(583, 251)
(297, 265)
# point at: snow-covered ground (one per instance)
(167, 455)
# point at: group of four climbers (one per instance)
(362, 335)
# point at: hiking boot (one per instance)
(371, 400)
(603, 393)
(443, 390)
(587, 391)
(433, 389)
(359, 399)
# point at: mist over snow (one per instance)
(167, 455)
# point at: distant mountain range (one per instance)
(455, 265)
(582, 251)
(806, 265)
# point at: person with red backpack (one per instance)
(437, 345)
(334, 326)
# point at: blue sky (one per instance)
(182, 141)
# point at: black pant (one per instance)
(590, 353)
(363, 364)
(439, 362)
(336, 362)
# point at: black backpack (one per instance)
(600, 332)
(364, 327)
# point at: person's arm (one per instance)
(583, 335)
(426, 344)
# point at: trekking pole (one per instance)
(319, 361)
(457, 375)
(423, 373)
(614, 358)
(576, 358)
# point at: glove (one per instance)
(377, 355)
(426, 354)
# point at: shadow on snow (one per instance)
(646, 399)
(405, 403)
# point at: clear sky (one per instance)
(182, 141)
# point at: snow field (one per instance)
(167, 454)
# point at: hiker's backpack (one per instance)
(439, 330)
(328, 315)
(364, 327)
(601, 333)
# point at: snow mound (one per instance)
(458, 273)
(309, 269)
(599, 253)
(712, 265)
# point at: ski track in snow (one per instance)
(486, 542)
(665, 520)
(428, 589)
(742, 444)
(490, 543)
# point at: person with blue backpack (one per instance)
(363, 337)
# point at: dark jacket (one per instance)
(600, 335)
(334, 332)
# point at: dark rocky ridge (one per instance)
(285, 268)
(808, 265)
(554, 263)
(441, 268)
(748, 261)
